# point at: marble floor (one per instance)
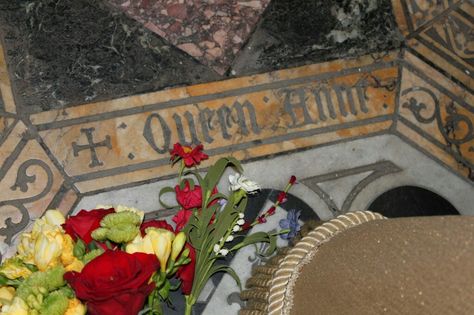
(88, 117)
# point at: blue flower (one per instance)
(290, 223)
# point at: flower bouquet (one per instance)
(110, 261)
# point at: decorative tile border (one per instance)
(440, 32)
(54, 158)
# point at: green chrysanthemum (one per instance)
(121, 227)
(55, 303)
(119, 218)
(41, 283)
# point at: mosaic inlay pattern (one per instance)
(104, 146)
(211, 31)
(54, 158)
(441, 32)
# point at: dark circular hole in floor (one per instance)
(411, 201)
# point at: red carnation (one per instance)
(189, 155)
(115, 283)
(186, 273)
(181, 219)
(187, 198)
(82, 224)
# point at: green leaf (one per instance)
(215, 171)
(259, 237)
(217, 196)
(3, 280)
(206, 216)
(223, 268)
(164, 291)
(195, 174)
(163, 191)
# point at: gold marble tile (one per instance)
(441, 33)
(5, 85)
(412, 15)
(252, 117)
(29, 181)
(438, 110)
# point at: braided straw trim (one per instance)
(280, 298)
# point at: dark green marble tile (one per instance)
(297, 32)
(70, 52)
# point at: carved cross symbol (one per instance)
(91, 146)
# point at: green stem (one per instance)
(189, 304)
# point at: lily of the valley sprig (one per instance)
(213, 221)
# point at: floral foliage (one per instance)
(110, 261)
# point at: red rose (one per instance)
(160, 224)
(186, 273)
(114, 283)
(189, 155)
(82, 224)
(187, 198)
(292, 180)
(181, 219)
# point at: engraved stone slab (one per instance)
(124, 141)
(108, 146)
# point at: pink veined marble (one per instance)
(211, 31)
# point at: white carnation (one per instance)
(239, 181)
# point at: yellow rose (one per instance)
(75, 307)
(18, 307)
(14, 268)
(6, 295)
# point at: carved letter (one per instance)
(192, 129)
(205, 117)
(226, 119)
(301, 103)
(165, 131)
